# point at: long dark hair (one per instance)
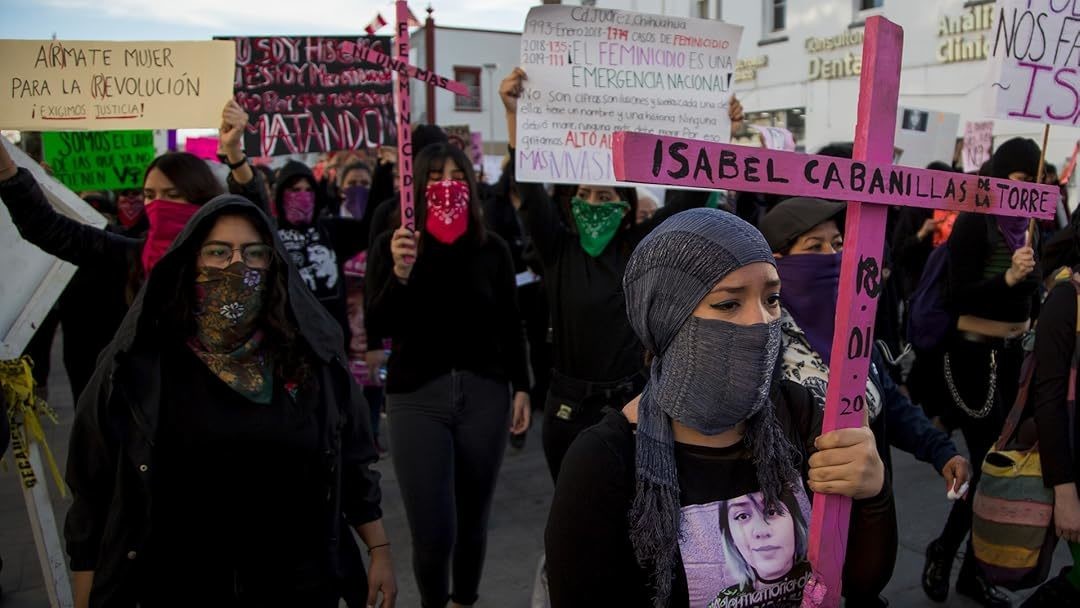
(292, 355)
(435, 155)
(189, 173)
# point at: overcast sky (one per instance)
(202, 19)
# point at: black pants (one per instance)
(448, 440)
(969, 364)
(574, 405)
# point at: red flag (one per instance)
(375, 25)
(413, 21)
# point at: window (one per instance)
(775, 15)
(865, 5)
(470, 77)
(703, 9)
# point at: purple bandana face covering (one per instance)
(299, 207)
(809, 288)
(1014, 229)
(356, 201)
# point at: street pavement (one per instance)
(515, 542)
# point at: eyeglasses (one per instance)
(255, 255)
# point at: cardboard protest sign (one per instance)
(52, 85)
(1033, 62)
(775, 138)
(594, 71)
(312, 94)
(33, 279)
(99, 160)
(925, 136)
(978, 144)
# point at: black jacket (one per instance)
(111, 464)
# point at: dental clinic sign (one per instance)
(963, 36)
(829, 68)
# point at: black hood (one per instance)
(286, 176)
(315, 325)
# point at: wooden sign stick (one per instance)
(1042, 155)
(872, 183)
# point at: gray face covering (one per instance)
(717, 362)
(709, 375)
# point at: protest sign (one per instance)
(52, 85)
(204, 147)
(685, 163)
(476, 149)
(312, 94)
(594, 71)
(33, 279)
(775, 138)
(99, 160)
(978, 141)
(1032, 67)
(925, 136)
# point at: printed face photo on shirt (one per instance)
(738, 553)
(764, 538)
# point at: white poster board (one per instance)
(1032, 68)
(775, 138)
(594, 71)
(978, 141)
(925, 136)
(30, 279)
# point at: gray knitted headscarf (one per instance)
(709, 375)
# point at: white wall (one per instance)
(472, 48)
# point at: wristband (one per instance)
(232, 166)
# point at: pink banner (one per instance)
(401, 66)
(678, 162)
(404, 128)
(203, 147)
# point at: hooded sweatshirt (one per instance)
(320, 248)
(115, 452)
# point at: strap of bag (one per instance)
(1070, 390)
(1027, 374)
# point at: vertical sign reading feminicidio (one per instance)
(593, 71)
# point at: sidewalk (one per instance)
(517, 521)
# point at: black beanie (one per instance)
(425, 135)
(1019, 154)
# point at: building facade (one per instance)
(478, 58)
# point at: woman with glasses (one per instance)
(114, 263)
(221, 448)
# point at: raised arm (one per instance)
(538, 210)
(53, 233)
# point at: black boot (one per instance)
(1055, 592)
(936, 571)
(973, 584)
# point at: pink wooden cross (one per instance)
(400, 64)
(867, 178)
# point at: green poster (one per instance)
(99, 160)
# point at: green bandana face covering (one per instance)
(597, 224)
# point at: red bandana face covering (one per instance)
(167, 219)
(447, 210)
(129, 208)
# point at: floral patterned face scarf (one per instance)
(227, 306)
